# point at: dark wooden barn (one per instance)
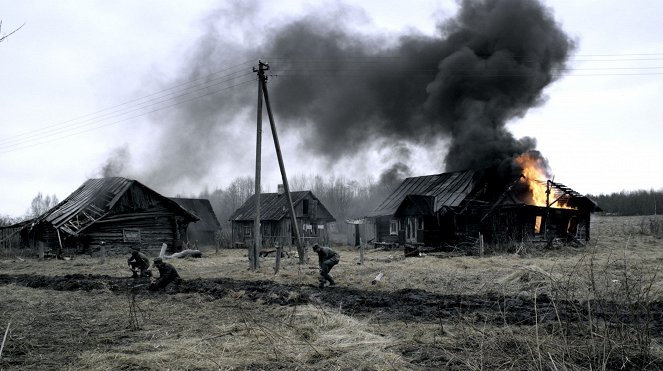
(117, 212)
(206, 230)
(312, 216)
(447, 208)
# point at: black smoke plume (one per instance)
(344, 91)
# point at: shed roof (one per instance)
(447, 189)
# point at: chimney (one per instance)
(280, 189)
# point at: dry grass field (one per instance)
(570, 308)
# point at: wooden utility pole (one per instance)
(254, 249)
(284, 177)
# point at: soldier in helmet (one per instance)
(167, 274)
(139, 263)
(327, 259)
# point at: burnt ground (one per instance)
(405, 305)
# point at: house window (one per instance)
(247, 231)
(393, 227)
(420, 223)
(305, 207)
(131, 235)
(537, 224)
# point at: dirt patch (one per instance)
(408, 305)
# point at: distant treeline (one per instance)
(631, 202)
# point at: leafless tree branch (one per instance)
(3, 37)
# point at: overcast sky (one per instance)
(73, 77)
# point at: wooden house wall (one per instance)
(279, 233)
(382, 233)
(315, 234)
(509, 226)
(565, 222)
(272, 232)
(366, 233)
(141, 210)
(45, 234)
(437, 230)
(517, 224)
(153, 231)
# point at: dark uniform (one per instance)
(327, 258)
(139, 262)
(167, 274)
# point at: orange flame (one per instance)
(536, 176)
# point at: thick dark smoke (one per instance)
(392, 177)
(343, 91)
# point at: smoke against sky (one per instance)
(93, 60)
(115, 163)
(341, 90)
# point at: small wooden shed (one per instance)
(117, 212)
(206, 230)
(313, 218)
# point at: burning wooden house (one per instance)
(116, 212)
(205, 231)
(313, 219)
(437, 210)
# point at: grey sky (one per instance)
(600, 127)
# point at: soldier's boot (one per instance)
(331, 281)
(321, 285)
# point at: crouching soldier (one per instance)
(167, 274)
(327, 258)
(139, 263)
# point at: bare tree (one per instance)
(226, 201)
(6, 220)
(5, 36)
(41, 204)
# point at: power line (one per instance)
(112, 114)
(113, 109)
(97, 125)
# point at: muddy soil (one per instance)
(401, 305)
